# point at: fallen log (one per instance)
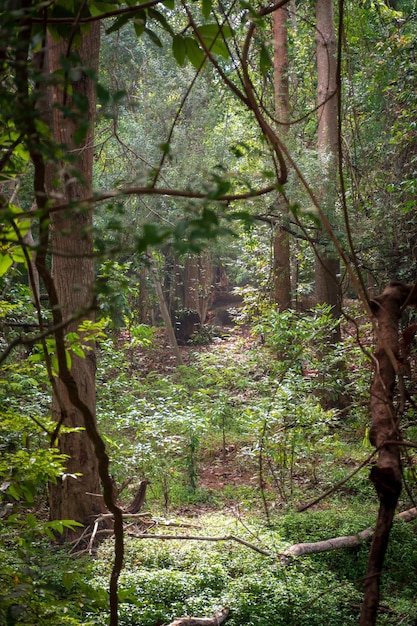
(336, 543)
(220, 617)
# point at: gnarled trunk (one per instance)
(384, 433)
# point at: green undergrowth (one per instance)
(170, 578)
(263, 399)
(164, 579)
(246, 412)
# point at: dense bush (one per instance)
(167, 579)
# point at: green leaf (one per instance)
(213, 30)
(214, 37)
(54, 363)
(119, 22)
(80, 133)
(139, 23)
(265, 63)
(160, 17)
(78, 351)
(139, 27)
(97, 8)
(18, 254)
(206, 6)
(103, 95)
(179, 49)
(194, 52)
(153, 37)
(5, 262)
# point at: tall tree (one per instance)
(282, 267)
(327, 265)
(71, 117)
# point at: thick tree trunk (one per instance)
(386, 475)
(327, 263)
(282, 267)
(77, 496)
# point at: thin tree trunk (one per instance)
(198, 283)
(282, 268)
(327, 265)
(165, 313)
(191, 275)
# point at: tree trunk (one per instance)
(76, 497)
(386, 475)
(191, 280)
(198, 283)
(327, 265)
(282, 268)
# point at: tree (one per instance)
(385, 434)
(327, 268)
(59, 89)
(63, 75)
(71, 110)
(282, 266)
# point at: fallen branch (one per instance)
(219, 618)
(350, 541)
(202, 538)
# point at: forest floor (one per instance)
(223, 465)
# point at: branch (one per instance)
(157, 191)
(350, 541)
(218, 618)
(96, 18)
(334, 488)
(202, 538)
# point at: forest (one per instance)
(208, 327)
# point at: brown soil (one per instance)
(226, 467)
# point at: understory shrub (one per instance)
(167, 579)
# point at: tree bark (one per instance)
(164, 312)
(198, 283)
(76, 497)
(282, 266)
(327, 265)
(338, 543)
(386, 475)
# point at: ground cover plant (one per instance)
(232, 430)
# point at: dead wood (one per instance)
(139, 498)
(336, 543)
(218, 618)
